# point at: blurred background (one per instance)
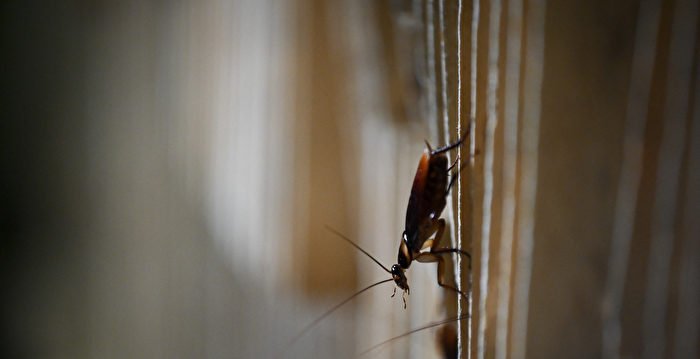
(169, 170)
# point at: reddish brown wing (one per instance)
(427, 197)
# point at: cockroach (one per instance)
(430, 188)
(425, 205)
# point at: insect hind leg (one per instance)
(452, 145)
(453, 163)
(433, 257)
(455, 175)
(436, 249)
(436, 255)
(454, 250)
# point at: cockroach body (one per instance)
(425, 205)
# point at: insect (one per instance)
(425, 205)
(427, 200)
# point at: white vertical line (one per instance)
(532, 94)
(510, 154)
(430, 60)
(668, 176)
(277, 148)
(443, 73)
(458, 189)
(630, 173)
(491, 122)
(449, 213)
(472, 80)
(688, 315)
(472, 124)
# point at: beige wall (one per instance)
(169, 170)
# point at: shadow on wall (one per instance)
(168, 169)
(167, 172)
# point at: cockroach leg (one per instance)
(435, 255)
(453, 163)
(455, 175)
(431, 257)
(435, 249)
(449, 146)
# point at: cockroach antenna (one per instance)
(357, 246)
(331, 310)
(424, 327)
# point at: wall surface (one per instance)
(169, 171)
(579, 211)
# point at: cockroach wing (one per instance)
(427, 198)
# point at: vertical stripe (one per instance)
(668, 176)
(430, 59)
(630, 173)
(510, 156)
(472, 123)
(458, 189)
(532, 93)
(443, 73)
(688, 315)
(489, 140)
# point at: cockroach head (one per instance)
(399, 277)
